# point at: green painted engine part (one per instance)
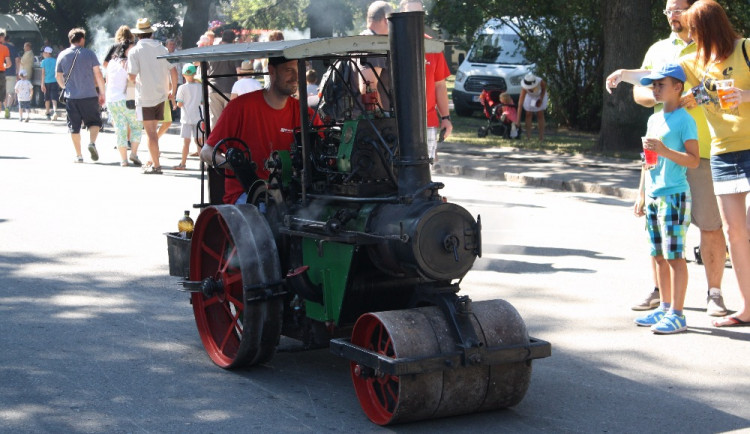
(286, 167)
(348, 134)
(331, 272)
(330, 264)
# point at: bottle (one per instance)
(185, 226)
(370, 99)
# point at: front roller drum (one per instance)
(424, 333)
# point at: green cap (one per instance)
(189, 69)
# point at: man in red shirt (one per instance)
(5, 62)
(264, 119)
(436, 71)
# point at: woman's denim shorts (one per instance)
(731, 172)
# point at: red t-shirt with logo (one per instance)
(436, 69)
(263, 128)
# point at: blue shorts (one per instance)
(667, 221)
(26, 105)
(731, 172)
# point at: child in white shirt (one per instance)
(24, 92)
(189, 98)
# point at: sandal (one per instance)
(179, 167)
(152, 170)
(730, 321)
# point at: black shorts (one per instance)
(86, 111)
(2, 87)
(53, 91)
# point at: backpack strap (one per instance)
(744, 53)
(79, 50)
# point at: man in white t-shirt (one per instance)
(151, 76)
(246, 84)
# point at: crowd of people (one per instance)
(140, 92)
(702, 174)
(143, 93)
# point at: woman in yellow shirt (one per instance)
(722, 55)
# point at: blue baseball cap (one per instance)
(667, 70)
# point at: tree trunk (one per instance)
(627, 36)
(195, 22)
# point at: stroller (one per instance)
(493, 111)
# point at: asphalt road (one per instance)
(96, 338)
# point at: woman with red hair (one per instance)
(723, 55)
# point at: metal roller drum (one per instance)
(424, 332)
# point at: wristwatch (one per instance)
(443, 118)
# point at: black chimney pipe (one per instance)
(406, 38)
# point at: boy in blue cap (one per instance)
(664, 194)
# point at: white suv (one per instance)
(495, 60)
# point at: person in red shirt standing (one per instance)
(264, 119)
(436, 71)
(5, 62)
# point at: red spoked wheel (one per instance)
(381, 391)
(234, 254)
(385, 398)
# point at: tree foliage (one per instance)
(563, 39)
(566, 40)
(56, 17)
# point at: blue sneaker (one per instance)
(669, 324)
(650, 319)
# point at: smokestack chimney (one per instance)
(406, 38)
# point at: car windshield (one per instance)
(498, 48)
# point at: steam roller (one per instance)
(349, 245)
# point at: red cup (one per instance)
(650, 156)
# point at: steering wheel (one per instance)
(219, 145)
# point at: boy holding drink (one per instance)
(664, 197)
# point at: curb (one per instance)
(550, 179)
(573, 186)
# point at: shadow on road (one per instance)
(545, 251)
(87, 354)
